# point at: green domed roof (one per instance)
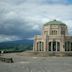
(54, 22)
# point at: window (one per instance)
(54, 32)
(40, 46)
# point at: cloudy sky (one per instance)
(22, 19)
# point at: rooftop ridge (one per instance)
(54, 22)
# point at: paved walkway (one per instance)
(37, 64)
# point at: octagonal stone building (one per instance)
(54, 38)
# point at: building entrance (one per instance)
(54, 46)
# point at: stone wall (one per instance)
(45, 54)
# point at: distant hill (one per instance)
(17, 45)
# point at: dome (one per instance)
(54, 22)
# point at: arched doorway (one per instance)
(40, 46)
(49, 49)
(68, 46)
(54, 46)
(58, 46)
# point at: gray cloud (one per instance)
(21, 19)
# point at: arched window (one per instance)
(54, 32)
(54, 46)
(40, 46)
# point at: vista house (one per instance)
(54, 38)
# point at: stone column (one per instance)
(67, 47)
(38, 46)
(33, 47)
(46, 46)
(51, 46)
(44, 49)
(70, 46)
(41, 46)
